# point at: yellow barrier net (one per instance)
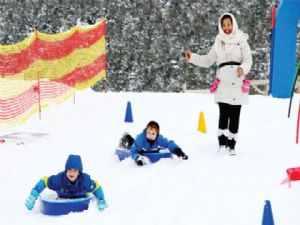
(44, 69)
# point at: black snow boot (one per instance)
(231, 143)
(223, 140)
(126, 141)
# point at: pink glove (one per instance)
(214, 86)
(246, 85)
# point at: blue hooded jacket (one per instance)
(141, 144)
(67, 189)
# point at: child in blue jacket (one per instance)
(71, 183)
(151, 141)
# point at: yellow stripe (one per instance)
(17, 48)
(56, 37)
(54, 69)
(45, 179)
(13, 88)
(97, 186)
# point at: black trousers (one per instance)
(229, 117)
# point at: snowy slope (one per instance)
(208, 189)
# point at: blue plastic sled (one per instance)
(153, 157)
(51, 205)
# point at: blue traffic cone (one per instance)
(128, 115)
(268, 215)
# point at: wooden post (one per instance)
(39, 96)
(38, 78)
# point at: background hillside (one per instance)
(146, 39)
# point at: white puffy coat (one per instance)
(228, 47)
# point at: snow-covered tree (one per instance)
(146, 39)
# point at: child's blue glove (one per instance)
(102, 205)
(30, 201)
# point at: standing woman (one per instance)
(233, 56)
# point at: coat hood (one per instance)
(74, 162)
(224, 41)
(234, 25)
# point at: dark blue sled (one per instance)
(51, 205)
(153, 157)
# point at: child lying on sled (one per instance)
(150, 140)
(70, 183)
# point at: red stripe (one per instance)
(15, 63)
(59, 49)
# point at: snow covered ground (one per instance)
(208, 189)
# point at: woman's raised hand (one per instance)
(188, 55)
